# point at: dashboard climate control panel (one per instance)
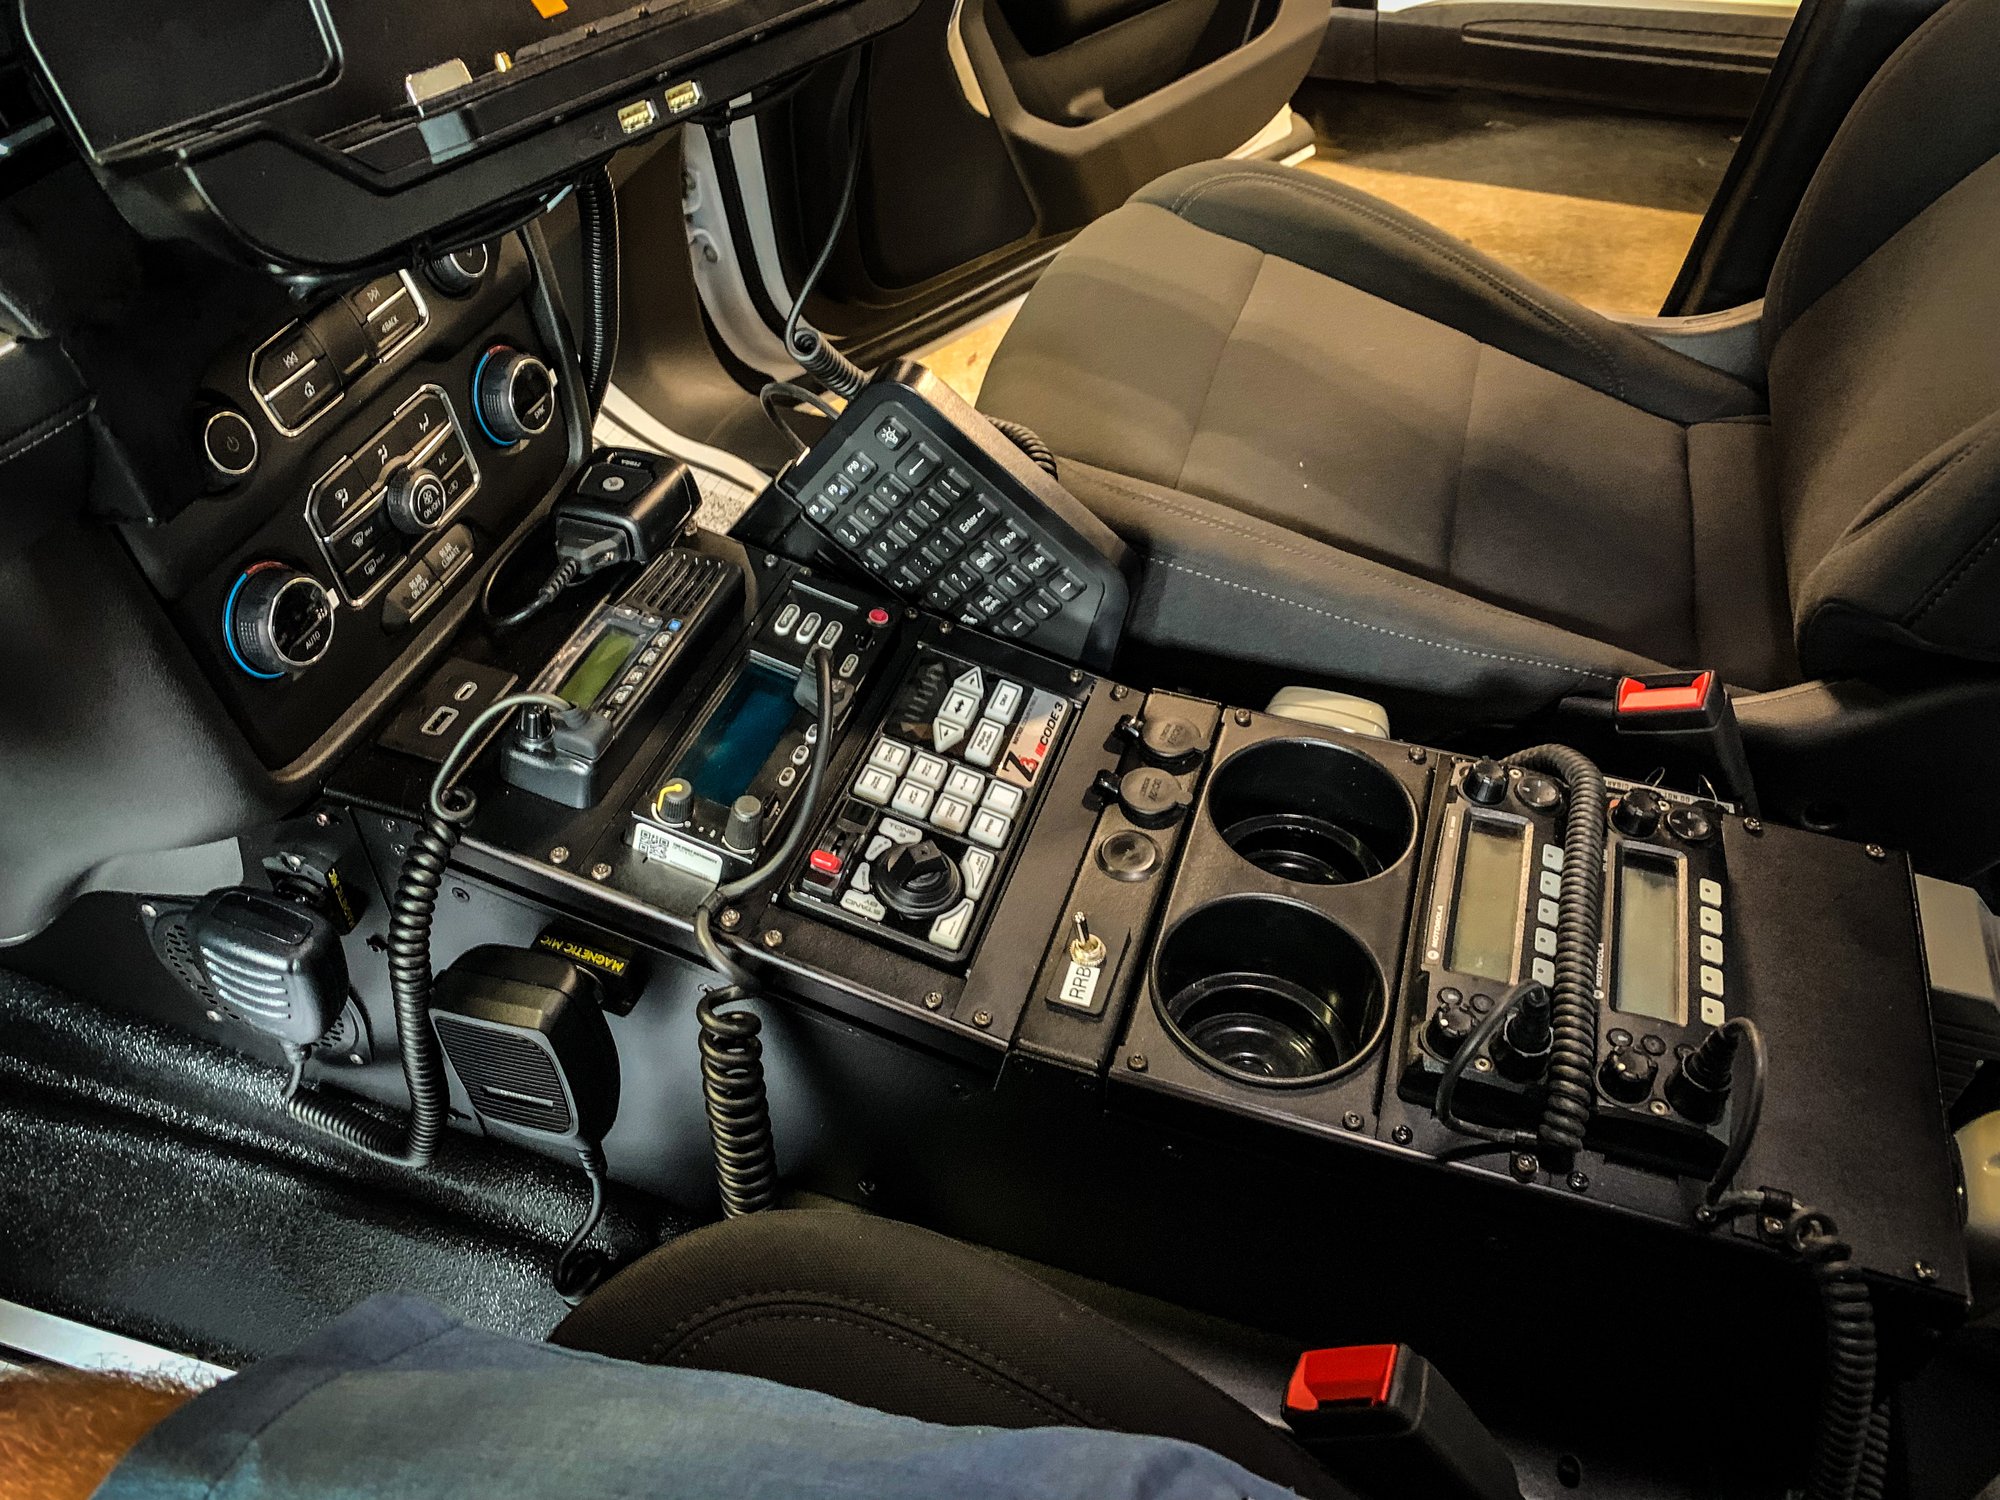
(375, 507)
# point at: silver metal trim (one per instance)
(374, 500)
(44, 1336)
(382, 360)
(256, 448)
(292, 663)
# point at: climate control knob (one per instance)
(277, 620)
(416, 501)
(514, 394)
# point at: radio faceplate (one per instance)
(1663, 972)
(755, 743)
(613, 664)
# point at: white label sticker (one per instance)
(1079, 986)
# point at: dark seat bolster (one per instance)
(905, 1321)
(1375, 247)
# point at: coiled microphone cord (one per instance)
(732, 1053)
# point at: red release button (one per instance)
(1358, 1374)
(1634, 697)
(826, 861)
(878, 616)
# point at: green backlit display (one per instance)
(1487, 912)
(600, 664)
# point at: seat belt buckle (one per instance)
(1693, 710)
(1382, 1420)
(1670, 703)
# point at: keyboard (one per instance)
(923, 495)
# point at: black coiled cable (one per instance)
(1571, 1088)
(412, 1142)
(732, 1053)
(1029, 442)
(597, 223)
(1851, 1443)
(732, 1080)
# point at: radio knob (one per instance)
(277, 620)
(459, 273)
(1451, 1023)
(416, 501)
(745, 825)
(514, 395)
(1627, 1075)
(1485, 782)
(675, 804)
(1693, 824)
(1637, 814)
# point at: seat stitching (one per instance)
(1328, 555)
(1312, 189)
(53, 432)
(745, 1301)
(1942, 590)
(940, 1356)
(1528, 661)
(1215, 370)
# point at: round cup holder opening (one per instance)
(1311, 812)
(1267, 991)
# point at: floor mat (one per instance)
(150, 1186)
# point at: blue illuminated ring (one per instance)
(229, 630)
(478, 415)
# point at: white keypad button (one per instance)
(1711, 920)
(960, 707)
(1711, 980)
(969, 681)
(1552, 883)
(945, 733)
(990, 829)
(949, 930)
(1543, 971)
(1546, 912)
(902, 833)
(978, 867)
(1552, 857)
(914, 798)
(1004, 798)
(987, 739)
(951, 813)
(1545, 941)
(964, 783)
(1711, 949)
(787, 618)
(864, 905)
(863, 878)
(1710, 892)
(808, 627)
(890, 755)
(874, 785)
(1006, 701)
(1712, 1013)
(830, 637)
(928, 771)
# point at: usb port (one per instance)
(683, 96)
(637, 115)
(441, 719)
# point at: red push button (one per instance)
(1357, 1375)
(826, 862)
(878, 616)
(1636, 697)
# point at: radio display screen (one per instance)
(599, 667)
(1486, 916)
(1647, 941)
(740, 735)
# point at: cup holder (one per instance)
(1268, 991)
(1312, 812)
